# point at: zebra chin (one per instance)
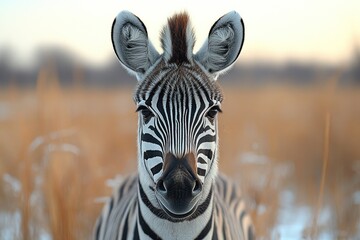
(179, 212)
(178, 190)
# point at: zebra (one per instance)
(177, 192)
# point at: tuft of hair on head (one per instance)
(178, 39)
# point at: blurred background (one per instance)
(289, 133)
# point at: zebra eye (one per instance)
(146, 113)
(211, 114)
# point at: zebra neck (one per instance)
(155, 223)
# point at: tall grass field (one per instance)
(295, 152)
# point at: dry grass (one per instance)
(59, 146)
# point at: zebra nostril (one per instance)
(161, 186)
(197, 187)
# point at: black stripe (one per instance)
(182, 94)
(110, 208)
(207, 128)
(206, 152)
(199, 111)
(136, 233)
(152, 128)
(125, 228)
(215, 235)
(206, 230)
(203, 86)
(152, 90)
(201, 172)
(152, 153)
(111, 204)
(120, 192)
(145, 227)
(157, 168)
(158, 212)
(186, 99)
(161, 95)
(243, 213)
(146, 84)
(233, 193)
(162, 98)
(206, 92)
(112, 39)
(97, 235)
(207, 138)
(201, 160)
(160, 129)
(193, 106)
(224, 225)
(251, 234)
(145, 137)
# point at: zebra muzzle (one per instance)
(178, 189)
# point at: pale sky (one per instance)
(276, 30)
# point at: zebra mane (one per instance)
(178, 39)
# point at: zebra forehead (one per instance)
(186, 80)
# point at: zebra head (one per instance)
(178, 99)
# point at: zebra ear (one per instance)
(131, 44)
(224, 43)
